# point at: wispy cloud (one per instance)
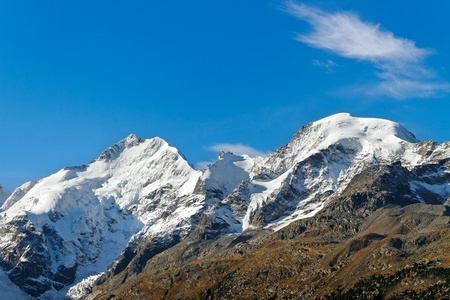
(238, 149)
(329, 64)
(398, 60)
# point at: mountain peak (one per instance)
(115, 150)
(344, 125)
(4, 194)
(227, 155)
(227, 172)
(371, 135)
(132, 138)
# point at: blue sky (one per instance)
(78, 76)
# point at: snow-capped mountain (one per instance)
(143, 194)
(4, 194)
(298, 179)
(74, 223)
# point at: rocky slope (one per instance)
(334, 174)
(142, 210)
(370, 242)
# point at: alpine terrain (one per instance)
(350, 208)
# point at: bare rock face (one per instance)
(27, 259)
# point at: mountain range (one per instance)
(346, 200)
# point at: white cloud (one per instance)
(403, 88)
(329, 64)
(348, 36)
(397, 59)
(238, 149)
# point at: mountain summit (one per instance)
(4, 194)
(141, 197)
